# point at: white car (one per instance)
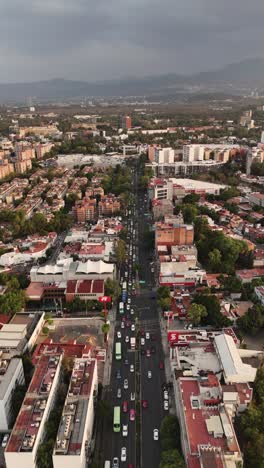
(119, 394)
(166, 405)
(127, 339)
(128, 306)
(133, 327)
(142, 341)
(125, 384)
(115, 463)
(132, 369)
(125, 430)
(166, 395)
(129, 300)
(123, 454)
(155, 434)
(5, 440)
(132, 312)
(119, 334)
(122, 324)
(149, 374)
(132, 397)
(147, 336)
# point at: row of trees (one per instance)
(251, 427)
(171, 443)
(22, 227)
(164, 297)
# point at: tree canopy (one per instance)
(196, 313)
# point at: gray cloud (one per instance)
(102, 39)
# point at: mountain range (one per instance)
(246, 74)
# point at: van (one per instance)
(107, 464)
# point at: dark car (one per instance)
(153, 349)
(126, 362)
(142, 351)
(161, 365)
(118, 374)
(142, 332)
(153, 337)
(145, 404)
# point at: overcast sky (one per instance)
(104, 39)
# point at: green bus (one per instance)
(116, 422)
(118, 351)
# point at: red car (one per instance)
(132, 415)
(148, 352)
(144, 404)
(161, 365)
(125, 407)
(142, 333)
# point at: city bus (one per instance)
(118, 351)
(116, 422)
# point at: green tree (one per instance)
(165, 303)
(196, 313)
(189, 213)
(191, 198)
(212, 305)
(105, 328)
(120, 251)
(163, 292)
(171, 459)
(112, 288)
(170, 433)
(214, 260)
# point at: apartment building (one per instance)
(162, 208)
(11, 375)
(29, 428)
(214, 152)
(24, 151)
(85, 210)
(38, 130)
(42, 149)
(172, 234)
(256, 198)
(23, 166)
(75, 430)
(125, 122)
(109, 205)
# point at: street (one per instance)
(139, 320)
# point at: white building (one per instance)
(29, 428)
(76, 425)
(234, 369)
(259, 291)
(197, 152)
(67, 270)
(11, 375)
(164, 155)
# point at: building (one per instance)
(177, 189)
(214, 152)
(85, 290)
(29, 429)
(207, 432)
(23, 166)
(174, 234)
(164, 155)
(109, 205)
(42, 149)
(38, 130)
(256, 198)
(85, 210)
(67, 270)
(162, 208)
(24, 151)
(125, 122)
(74, 435)
(29, 250)
(11, 375)
(259, 291)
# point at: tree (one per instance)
(189, 213)
(196, 313)
(171, 459)
(191, 198)
(165, 303)
(215, 259)
(163, 292)
(120, 251)
(112, 288)
(253, 320)
(170, 433)
(105, 328)
(212, 305)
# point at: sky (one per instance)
(104, 39)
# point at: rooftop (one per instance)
(29, 420)
(70, 436)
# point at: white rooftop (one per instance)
(190, 184)
(234, 368)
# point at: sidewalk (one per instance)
(167, 365)
(109, 352)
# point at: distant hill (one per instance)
(246, 73)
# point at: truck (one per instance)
(133, 342)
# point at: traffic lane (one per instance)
(152, 416)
